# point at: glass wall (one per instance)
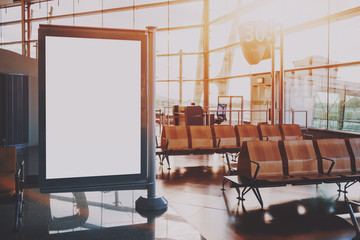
(321, 63)
(321, 49)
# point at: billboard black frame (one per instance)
(96, 183)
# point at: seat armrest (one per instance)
(331, 166)
(257, 169)
(218, 142)
(231, 170)
(167, 143)
(354, 203)
(308, 136)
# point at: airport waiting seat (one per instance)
(260, 165)
(300, 159)
(225, 138)
(333, 154)
(292, 132)
(269, 132)
(174, 138)
(186, 140)
(226, 142)
(200, 137)
(174, 141)
(353, 145)
(11, 181)
(246, 133)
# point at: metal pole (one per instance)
(151, 203)
(28, 28)
(180, 76)
(353, 218)
(206, 54)
(23, 27)
(230, 120)
(272, 112)
(151, 110)
(242, 108)
(281, 100)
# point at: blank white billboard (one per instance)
(92, 107)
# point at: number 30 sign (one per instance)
(254, 40)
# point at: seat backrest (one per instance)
(221, 114)
(266, 153)
(177, 137)
(291, 131)
(353, 145)
(269, 132)
(194, 115)
(226, 134)
(299, 157)
(246, 133)
(7, 170)
(335, 149)
(201, 137)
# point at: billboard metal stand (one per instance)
(151, 203)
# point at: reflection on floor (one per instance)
(198, 209)
(92, 215)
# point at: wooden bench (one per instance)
(201, 138)
(246, 133)
(296, 162)
(334, 154)
(300, 159)
(269, 132)
(353, 145)
(174, 141)
(293, 132)
(260, 165)
(225, 138)
(182, 140)
(276, 132)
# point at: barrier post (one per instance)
(151, 203)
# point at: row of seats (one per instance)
(183, 140)
(224, 136)
(297, 162)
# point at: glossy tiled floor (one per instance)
(198, 209)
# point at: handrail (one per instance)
(240, 111)
(293, 111)
(306, 116)
(339, 120)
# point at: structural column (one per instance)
(281, 99)
(272, 110)
(23, 32)
(28, 29)
(206, 54)
(151, 203)
(180, 77)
